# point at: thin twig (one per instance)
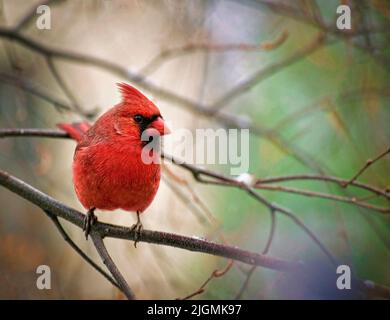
(314, 177)
(295, 219)
(265, 251)
(367, 164)
(215, 274)
(35, 90)
(268, 71)
(164, 55)
(307, 193)
(64, 87)
(287, 10)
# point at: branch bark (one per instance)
(107, 260)
(195, 244)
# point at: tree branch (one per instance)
(215, 274)
(268, 71)
(164, 55)
(265, 251)
(367, 164)
(224, 118)
(195, 244)
(47, 203)
(76, 248)
(102, 250)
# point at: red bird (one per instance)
(108, 169)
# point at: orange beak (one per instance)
(160, 125)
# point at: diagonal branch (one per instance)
(215, 274)
(367, 164)
(164, 55)
(67, 91)
(195, 244)
(268, 71)
(226, 119)
(76, 248)
(35, 90)
(107, 260)
(265, 251)
(333, 197)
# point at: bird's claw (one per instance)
(137, 227)
(89, 220)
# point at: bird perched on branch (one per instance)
(112, 167)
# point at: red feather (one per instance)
(108, 172)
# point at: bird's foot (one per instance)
(89, 220)
(137, 227)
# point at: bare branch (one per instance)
(268, 71)
(102, 250)
(265, 251)
(64, 87)
(46, 202)
(45, 133)
(332, 179)
(215, 274)
(367, 164)
(35, 90)
(164, 55)
(307, 193)
(227, 119)
(80, 252)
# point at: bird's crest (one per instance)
(129, 93)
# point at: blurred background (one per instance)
(316, 101)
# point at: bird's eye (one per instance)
(138, 118)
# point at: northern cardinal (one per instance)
(108, 170)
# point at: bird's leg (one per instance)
(89, 220)
(137, 227)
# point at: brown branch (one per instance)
(107, 260)
(226, 119)
(331, 179)
(352, 201)
(229, 181)
(268, 71)
(35, 90)
(78, 250)
(164, 55)
(215, 274)
(367, 164)
(326, 103)
(194, 196)
(292, 12)
(32, 132)
(66, 90)
(265, 251)
(275, 208)
(45, 202)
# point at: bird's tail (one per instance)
(76, 130)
